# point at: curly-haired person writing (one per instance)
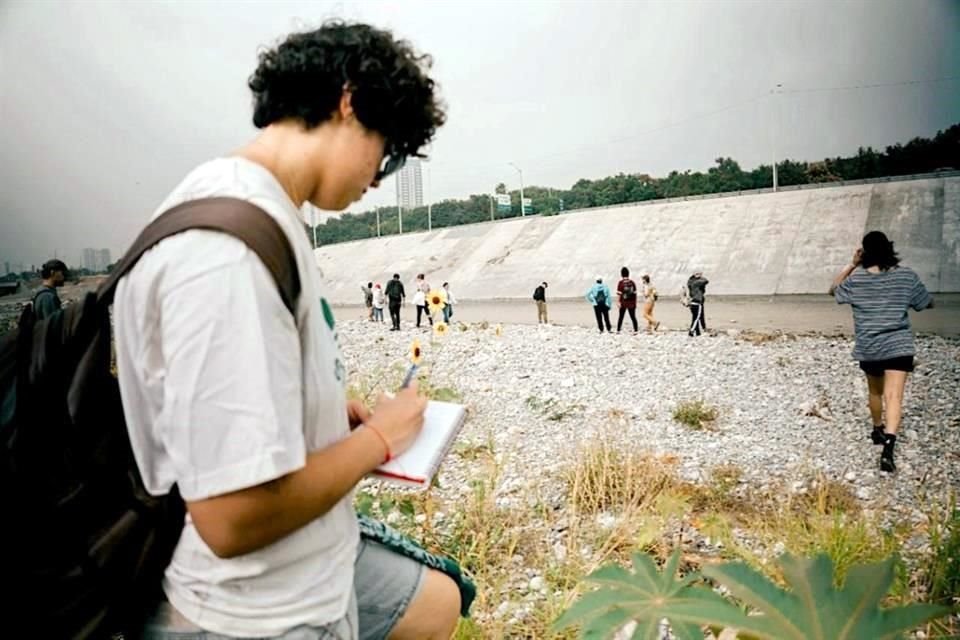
(242, 405)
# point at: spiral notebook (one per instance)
(417, 466)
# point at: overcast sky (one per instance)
(106, 105)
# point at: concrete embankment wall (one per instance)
(761, 244)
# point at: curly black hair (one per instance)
(304, 77)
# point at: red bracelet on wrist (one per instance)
(386, 445)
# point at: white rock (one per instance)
(850, 476)
(560, 551)
(606, 520)
(536, 583)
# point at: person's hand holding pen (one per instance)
(396, 419)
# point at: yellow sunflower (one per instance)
(441, 328)
(436, 300)
(416, 353)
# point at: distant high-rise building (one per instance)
(90, 259)
(410, 184)
(6, 267)
(96, 260)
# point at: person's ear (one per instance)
(345, 108)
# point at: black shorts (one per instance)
(877, 367)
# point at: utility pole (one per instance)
(776, 117)
(522, 210)
(399, 209)
(429, 200)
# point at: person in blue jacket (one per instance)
(599, 297)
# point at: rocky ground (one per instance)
(787, 404)
(791, 408)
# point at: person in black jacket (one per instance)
(540, 296)
(395, 297)
(46, 302)
(697, 286)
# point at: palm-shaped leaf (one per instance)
(813, 609)
(646, 596)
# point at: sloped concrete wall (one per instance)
(762, 244)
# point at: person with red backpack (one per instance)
(627, 299)
(241, 404)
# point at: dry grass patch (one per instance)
(611, 500)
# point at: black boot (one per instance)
(886, 457)
(877, 435)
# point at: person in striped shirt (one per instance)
(880, 291)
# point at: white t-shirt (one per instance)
(222, 391)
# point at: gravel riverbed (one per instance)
(787, 405)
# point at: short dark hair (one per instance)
(544, 283)
(624, 272)
(645, 278)
(305, 76)
(50, 266)
(396, 276)
(878, 251)
(369, 284)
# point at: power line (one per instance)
(639, 134)
(475, 170)
(873, 86)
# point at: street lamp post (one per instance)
(399, 208)
(522, 211)
(776, 118)
(429, 200)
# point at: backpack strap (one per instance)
(239, 218)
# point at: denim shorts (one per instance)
(384, 585)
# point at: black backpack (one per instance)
(601, 298)
(84, 546)
(628, 292)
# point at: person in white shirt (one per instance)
(448, 306)
(242, 405)
(379, 300)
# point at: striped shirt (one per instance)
(880, 302)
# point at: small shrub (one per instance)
(552, 409)
(696, 414)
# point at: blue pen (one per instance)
(409, 378)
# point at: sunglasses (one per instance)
(392, 162)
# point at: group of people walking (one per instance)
(628, 294)
(394, 295)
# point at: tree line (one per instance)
(920, 155)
